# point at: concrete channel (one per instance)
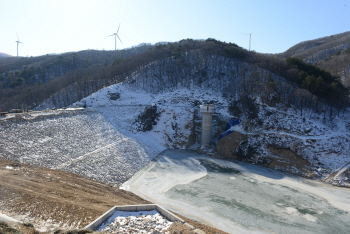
(134, 208)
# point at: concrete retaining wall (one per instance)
(144, 207)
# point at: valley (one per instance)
(134, 123)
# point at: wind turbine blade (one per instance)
(119, 39)
(17, 37)
(118, 28)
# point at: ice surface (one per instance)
(242, 198)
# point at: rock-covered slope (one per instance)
(76, 141)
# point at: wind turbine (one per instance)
(18, 43)
(250, 39)
(115, 38)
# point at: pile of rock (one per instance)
(136, 222)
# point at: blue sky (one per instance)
(56, 26)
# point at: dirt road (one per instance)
(55, 198)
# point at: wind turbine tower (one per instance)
(18, 43)
(115, 38)
(250, 39)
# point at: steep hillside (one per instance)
(61, 63)
(152, 101)
(338, 65)
(275, 130)
(330, 53)
(76, 141)
(27, 81)
(82, 81)
(271, 134)
(234, 77)
(316, 50)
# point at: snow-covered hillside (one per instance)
(177, 110)
(104, 141)
(82, 142)
(322, 143)
(283, 127)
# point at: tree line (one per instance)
(85, 79)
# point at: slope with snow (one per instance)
(177, 109)
(323, 142)
(82, 142)
(105, 142)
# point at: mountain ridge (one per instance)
(34, 85)
(305, 48)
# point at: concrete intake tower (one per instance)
(207, 112)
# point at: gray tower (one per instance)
(207, 111)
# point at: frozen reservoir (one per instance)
(241, 198)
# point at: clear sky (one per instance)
(56, 26)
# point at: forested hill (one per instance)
(28, 82)
(330, 53)
(47, 67)
(309, 49)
